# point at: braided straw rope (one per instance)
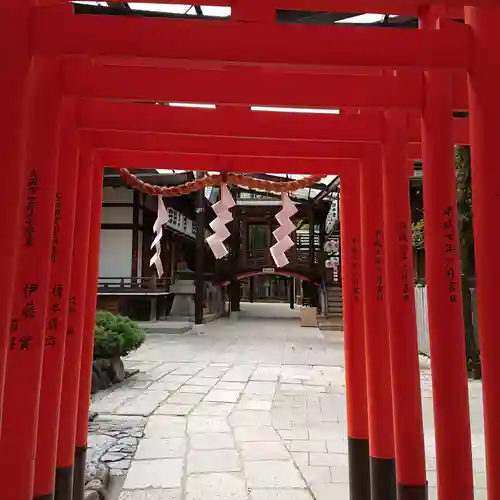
(213, 180)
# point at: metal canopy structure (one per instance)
(179, 11)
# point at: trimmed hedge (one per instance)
(116, 335)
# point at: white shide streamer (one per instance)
(162, 218)
(282, 233)
(218, 225)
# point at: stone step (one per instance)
(167, 327)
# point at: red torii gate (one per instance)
(243, 85)
(33, 78)
(242, 123)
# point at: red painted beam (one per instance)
(248, 86)
(206, 163)
(243, 123)
(223, 146)
(243, 86)
(56, 30)
(227, 122)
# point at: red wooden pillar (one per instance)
(15, 55)
(447, 338)
(380, 418)
(31, 288)
(88, 336)
(76, 313)
(354, 340)
(405, 371)
(484, 105)
(57, 311)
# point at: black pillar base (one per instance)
(79, 473)
(64, 483)
(235, 295)
(407, 492)
(383, 478)
(50, 496)
(251, 289)
(359, 468)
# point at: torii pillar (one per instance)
(403, 352)
(354, 340)
(484, 105)
(380, 415)
(446, 327)
(16, 56)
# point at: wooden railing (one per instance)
(122, 285)
(257, 258)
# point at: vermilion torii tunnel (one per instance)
(59, 129)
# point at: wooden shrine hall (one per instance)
(87, 87)
(129, 285)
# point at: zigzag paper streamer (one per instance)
(218, 225)
(162, 218)
(282, 233)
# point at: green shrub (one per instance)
(116, 335)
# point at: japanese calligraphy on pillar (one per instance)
(31, 203)
(450, 251)
(355, 262)
(56, 298)
(378, 264)
(57, 223)
(404, 246)
(28, 313)
(71, 311)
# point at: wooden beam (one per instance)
(57, 30)
(222, 146)
(243, 123)
(247, 86)
(165, 160)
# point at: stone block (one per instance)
(207, 424)
(256, 434)
(160, 426)
(161, 448)
(213, 461)
(211, 441)
(216, 487)
(273, 450)
(250, 418)
(222, 396)
(214, 409)
(273, 474)
(162, 494)
(281, 495)
(144, 474)
(330, 459)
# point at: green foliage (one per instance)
(464, 204)
(418, 234)
(116, 335)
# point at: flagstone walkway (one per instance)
(252, 410)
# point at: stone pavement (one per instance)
(252, 410)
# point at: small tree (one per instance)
(116, 335)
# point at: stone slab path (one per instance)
(252, 410)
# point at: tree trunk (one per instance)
(467, 264)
